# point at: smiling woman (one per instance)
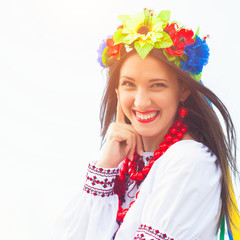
(164, 168)
(149, 93)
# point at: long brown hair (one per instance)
(202, 121)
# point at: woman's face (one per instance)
(149, 93)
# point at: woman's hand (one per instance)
(122, 141)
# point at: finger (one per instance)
(139, 144)
(132, 143)
(120, 116)
(128, 149)
(121, 134)
(127, 142)
(120, 131)
(125, 129)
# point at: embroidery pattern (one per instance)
(104, 183)
(100, 182)
(145, 232)
(149, 158)
(103, 172)
(97, 192)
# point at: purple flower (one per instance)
(198, 54)
(100, 50)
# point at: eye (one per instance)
(128, 84)
(158, 85)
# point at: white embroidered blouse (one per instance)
(179, 199)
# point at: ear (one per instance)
(117, 92)
(184, 93)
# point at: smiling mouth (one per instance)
(147, 116)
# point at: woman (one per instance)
(164, 168)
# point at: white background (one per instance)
(50, 91)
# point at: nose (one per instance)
(142, 100)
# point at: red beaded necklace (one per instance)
(135, 169)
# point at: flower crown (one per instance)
(147, 30)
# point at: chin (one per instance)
(148, 132)
(154, 129)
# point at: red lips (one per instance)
(146, 112)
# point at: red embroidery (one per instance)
(145, 232)
(100, 182)
(97, 192)
(103, 172)
(104, 183)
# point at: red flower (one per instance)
(171, 29)
(113, 50)
(183, 37)
(173, 50)
(180, 39)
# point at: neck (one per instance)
(151, 144)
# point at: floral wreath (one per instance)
(147, 30)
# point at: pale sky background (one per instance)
(50, 91)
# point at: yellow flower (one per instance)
(145, 30)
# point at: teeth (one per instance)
(146, 116)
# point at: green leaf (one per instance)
(197, 32)
(130, 38)
(169, 57)
(164, 42)
(118, 36)
(157, 45)
(164, 16)
(157, 36)
(177, 62)
(104, 56)
(175, 22)
(184, 57)
(124, 19)
(143, 51)
(196, 77)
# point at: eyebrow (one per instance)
(151, 80)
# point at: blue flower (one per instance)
(198, 54)
(100, 51)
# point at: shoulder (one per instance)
(188, 156)
(189, 150)
(187, 165)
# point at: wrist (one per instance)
(106, 164)
(100, 181)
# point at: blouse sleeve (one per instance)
(93, 212)
(180, 199)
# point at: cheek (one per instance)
(172, 104)
(166, 99)
(125, 101)
(168, 103)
